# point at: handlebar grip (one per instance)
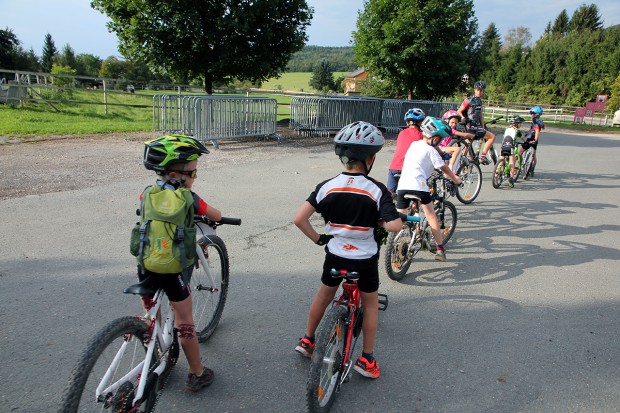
(230, 221)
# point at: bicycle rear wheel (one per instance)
(447, 220)
(123, 338)
(327, 361)
(498, 176)
(209, 286)
(471, 175)
(397, 251)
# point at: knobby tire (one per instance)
(448, 223)
(208, 300)
(472, 179)
(79, 395)
(498, 176)
(395, 249)
(327, 361)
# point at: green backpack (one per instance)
(164, 241)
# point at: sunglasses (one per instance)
(192, 174)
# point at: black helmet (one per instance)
(161, 153)
(480, 85)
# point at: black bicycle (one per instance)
(416, 234)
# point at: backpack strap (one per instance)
(143, 238)
(143, 241)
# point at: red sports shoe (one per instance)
(366, 369)
(305, 347)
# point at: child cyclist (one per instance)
(453, 118)
(509, 144)
(412, 133)
(174, 158)
(472, 111)
(353, 206)
(421, 160)
(532, 136)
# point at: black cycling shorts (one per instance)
(479, 131)
(530, 142)
(368, 270)
(403, 203)
(506, 150)
(176, 288)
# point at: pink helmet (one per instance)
(451, 114)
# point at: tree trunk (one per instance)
(410, 94)
(208, 83)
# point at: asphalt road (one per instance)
(524, 317)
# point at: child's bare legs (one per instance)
(184, 321)
(323, 297)
(454, 153)
(511, 160)
(490, 138)
(370, 302)
(433, 222)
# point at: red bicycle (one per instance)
(336, 339)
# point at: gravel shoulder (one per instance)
(62, 163)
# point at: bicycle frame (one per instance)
(164, 333)
(351, 298)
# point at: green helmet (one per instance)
(165, 151)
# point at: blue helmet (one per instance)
(415, 115)
(536, 110)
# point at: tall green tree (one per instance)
(586, 18)
(66, 57)
(323, 76)
(561, 24)
(8, 43)
(88, 64)
(487, 55)
(49, 51)
(412, 43)
(218, 40)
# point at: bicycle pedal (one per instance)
(383, 302)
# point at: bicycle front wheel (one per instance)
(210, 286)
(397, 258)
(527, 164)
(327, 361)
(118, 350)
(447, 220)
(472, 182)
(498, 176)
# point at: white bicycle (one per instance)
(125, 365)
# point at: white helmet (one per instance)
(358, 141)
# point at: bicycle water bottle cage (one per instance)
(351, 276)
(144, 287)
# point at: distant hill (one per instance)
(341, 59)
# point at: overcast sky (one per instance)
(76, 23)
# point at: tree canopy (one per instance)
(219, 40)
(413, 43)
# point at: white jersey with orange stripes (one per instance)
(351, 204)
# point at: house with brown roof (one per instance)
(352, 81)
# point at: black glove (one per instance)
(446, 156)
(381, 235)
(324, 239)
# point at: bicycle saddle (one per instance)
(144, 287)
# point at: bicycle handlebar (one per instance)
(223, 221)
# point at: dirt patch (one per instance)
(60, 163)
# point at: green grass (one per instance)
(40, 119)
(294, 82)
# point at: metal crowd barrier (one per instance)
(213, 118)
(319, 115)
